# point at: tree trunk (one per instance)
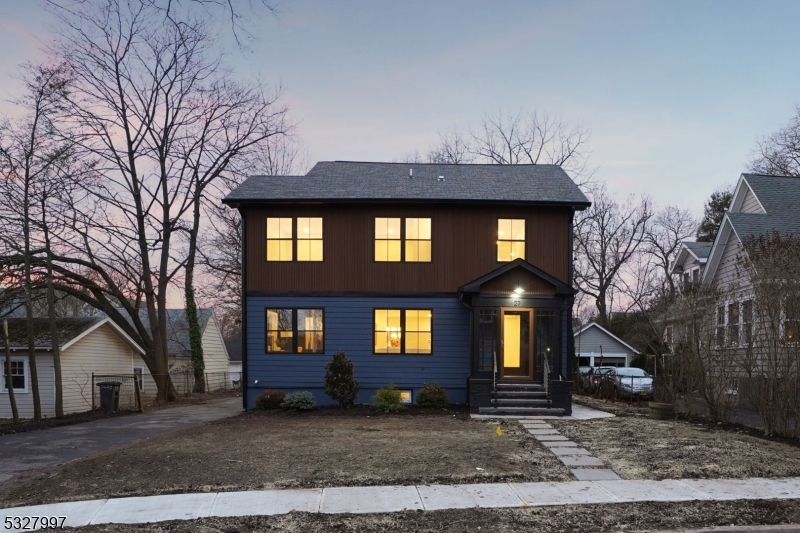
(195, 333)
(51, 316)
(11, 397)
(26, 224)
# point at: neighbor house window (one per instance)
(19, 378)
(733, 323)
(309, 239)
(398, 241)
(295, 331)
(791, 322)
(747, 321)
(403, 331)
(281, 239)
(720, 333)
(510, 239)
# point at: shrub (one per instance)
(304, 401)
(340, 384)
(269, 399)
(432, 395)
(388, 400)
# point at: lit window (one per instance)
(18, 378)
(418, 239)
(510, 239)
(295, 331)
(309, 239)
(387, 239)
(279, 239)
(403, 331)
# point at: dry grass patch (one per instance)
(637, 447)
(285, 450)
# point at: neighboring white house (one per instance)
(596, 346)
(93, 345)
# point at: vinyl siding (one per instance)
(591, 340)
(727, 275)
(99, 352)
(750, 203)
(47, 391)
(349, 327)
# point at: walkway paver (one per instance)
(594, 474)
(36, 449)
(389, 499)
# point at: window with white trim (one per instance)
(138, 372)
(19, 375)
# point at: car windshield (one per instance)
(603, 370)
(584, 369)
(632, 373)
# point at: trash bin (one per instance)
(109, 395)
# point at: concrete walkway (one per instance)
(35, 449)
(148, 509)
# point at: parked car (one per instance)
(627, 382)
(592, 379)
(583, 371)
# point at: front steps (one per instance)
(520, 399)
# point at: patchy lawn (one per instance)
(637, 447)
(567, 519)
(328, 447)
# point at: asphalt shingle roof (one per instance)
(701, 249)
(177, 329)
(68, 329)
(354, 181)
(234, 347)
(780, 197)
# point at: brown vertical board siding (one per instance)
(463, 248)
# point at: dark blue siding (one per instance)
(348, 327)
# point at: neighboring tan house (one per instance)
(93, 345)
(457, 275)
(596, 346)
(690, 262)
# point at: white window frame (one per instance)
(25, 370)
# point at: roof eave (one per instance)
(236, 202)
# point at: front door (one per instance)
(516, 334)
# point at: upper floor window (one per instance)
(403, 331)
(720, 330)
(281, 239)
(295, 331)
(389, 237)
(733, 323)
(510, 239)
(747, 321)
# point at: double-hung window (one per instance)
(720, 333)
(295, 331)
(19, 375)
(282, 245)
(733, 323)
(510, 239)
(747, 322)
(403, 331)
(398, 239)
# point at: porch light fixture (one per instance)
(519, 290)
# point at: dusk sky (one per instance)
(675, 94)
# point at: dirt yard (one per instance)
(568, 519)
(637, 447)
(260, 450)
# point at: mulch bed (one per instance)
(567, 519)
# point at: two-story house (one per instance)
(457, 275)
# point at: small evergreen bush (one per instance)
(388, 400)
(269, 399)
(303, 401)
(432, 395)
(340, 383)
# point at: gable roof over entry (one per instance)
(348, 181)
(529, 272)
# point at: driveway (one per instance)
(36, 449)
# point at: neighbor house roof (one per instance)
(177, 329)
(604, 330)
(234, 347)
(347, 181)
(699, 249)
(69, 331)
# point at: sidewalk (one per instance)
(35, 449)
(148, 509)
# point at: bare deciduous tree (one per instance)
(779, 153)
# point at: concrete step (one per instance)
(520, 394)
(519, 386)
(520, 402)
(521, 411)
